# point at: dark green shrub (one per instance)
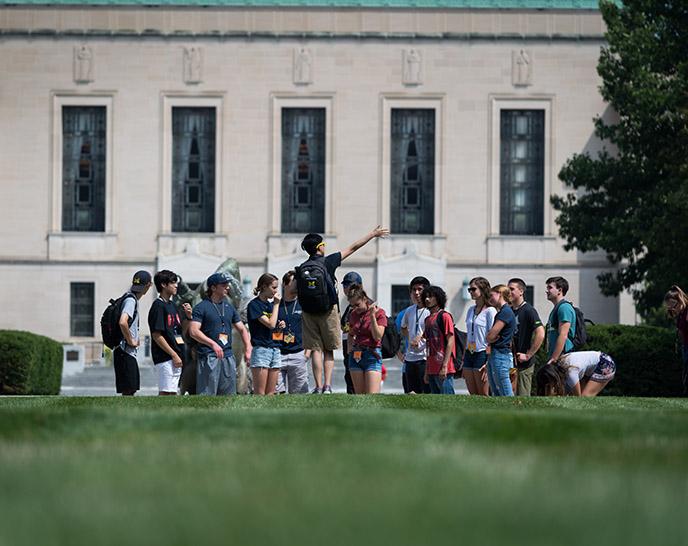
(29, 363)
(647, 361)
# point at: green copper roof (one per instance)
(410, 4)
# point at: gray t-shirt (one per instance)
(129, 306)
(414, 321)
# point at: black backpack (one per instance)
(312, 280)
(391, 340)
(109, 322)
(459, 343)
(580, 338)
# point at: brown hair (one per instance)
(266, 279)
(288, 276)
(675, 301)
(560, 282)
(483, 285)
(550, 380)
(356, 292)
(503, 291)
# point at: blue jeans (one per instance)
(370, 361)
(216, 376)
(498, 365)
(437, 386)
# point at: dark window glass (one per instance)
(83, 168)
(81, 317)
(529, 295)
(522, 183)
(413, 171)
(303, 170)
(193, 170)
(400, 298)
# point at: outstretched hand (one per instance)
(379, 231)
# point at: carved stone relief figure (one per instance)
(83, 64)
(412, 67)
(521, 67)
(193, 64)
(303, 66)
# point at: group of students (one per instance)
(503, 335)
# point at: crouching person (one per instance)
(211, 325)
(583, 373)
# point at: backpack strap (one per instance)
(128, 295)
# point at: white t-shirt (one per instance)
(478, 326)
(414, 320)
(128, 307)
(581, 364)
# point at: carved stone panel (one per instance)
(83, 64)
(193, 65)
(522, 68)
(303, 66)
(412, 69)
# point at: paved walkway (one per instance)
(100, 381)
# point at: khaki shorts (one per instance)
(322, 332)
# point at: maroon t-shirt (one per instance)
(682, 326)
(359, 329)
(436, 335)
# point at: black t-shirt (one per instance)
(164, 318)
(332, 262)
(527, 320)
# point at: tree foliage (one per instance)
(632, 198)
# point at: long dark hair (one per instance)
(675, 301)
(551, 380)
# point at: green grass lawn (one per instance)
(343, 470)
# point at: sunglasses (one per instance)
(472, 289)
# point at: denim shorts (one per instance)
(605, 369)
(474, 361)
(371, 360)
(266, 357)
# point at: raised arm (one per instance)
(377, 232)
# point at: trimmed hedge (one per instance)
(647, 361)
(29, 363)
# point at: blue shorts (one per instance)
(266, 357)
(605, 369)
(370, 361)
(474, 361)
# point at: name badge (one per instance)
(471, 347)
(223, 338)
(358, 355)
(179, 340)
(277, 336)
(289, 338)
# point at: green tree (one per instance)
(632, 198)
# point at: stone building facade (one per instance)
(173, 134)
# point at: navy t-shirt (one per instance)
(506, 315)
(332, 262)
(290, 312)
(215, 319)
(261, 336)
(164, 318)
